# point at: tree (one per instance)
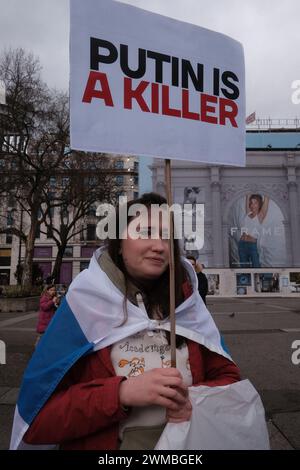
(34, 153)
(35, 135)
(80, 182)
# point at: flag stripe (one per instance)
(49, 364)
(251, 118)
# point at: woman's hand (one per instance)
(183, 414)
(163, 387)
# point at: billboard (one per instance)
(257, 236)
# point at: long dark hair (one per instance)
(155, 294)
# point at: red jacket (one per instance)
(84, 411)
(46, 312)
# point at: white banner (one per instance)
(145, 84)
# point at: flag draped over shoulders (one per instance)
(90, 318)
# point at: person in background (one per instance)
(49, 302)
(202, 279)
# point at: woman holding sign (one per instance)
(118, 390)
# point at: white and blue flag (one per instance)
(89, 319)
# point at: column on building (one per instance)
(293, 207)
(217, 232)
(294, 221)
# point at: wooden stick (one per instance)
(171, 263)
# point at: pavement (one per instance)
(258, 332)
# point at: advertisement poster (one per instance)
(266, 282)
(256, 233)
(213, 284)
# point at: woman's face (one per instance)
(254, 205)
(51, 292)
(145, 258)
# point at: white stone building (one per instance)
(273, 172)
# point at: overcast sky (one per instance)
(268, 29)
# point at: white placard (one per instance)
(145, 84)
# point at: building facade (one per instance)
(79, 249)
(272, 176)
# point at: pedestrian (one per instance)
(49, 302)
(202, 279)
(105, 382)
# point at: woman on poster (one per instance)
(256, 211)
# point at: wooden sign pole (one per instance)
(171, 262)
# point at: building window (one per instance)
(92, 211)
(135, 195)
(119, 164)
(42, 252)
(91, 232)
(136, 166)
(4, 277)
(68, 252)
(10, 219)
(136, 180)
(5, 145)
(65, 181)
(87, 251)
(52, 182)
(14, 165)
(92, 181)
(5, 261)
(120, 180)
(84, 265)
(13, 143)
(8, 239)
(5, 256)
